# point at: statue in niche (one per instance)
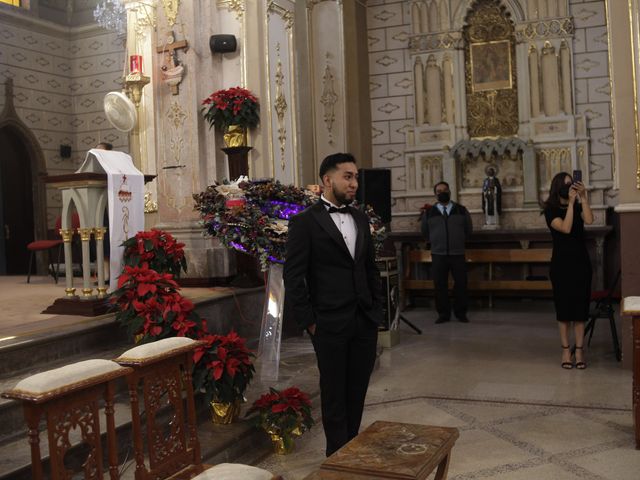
(491, 198)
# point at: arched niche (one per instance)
(11, 123)
(514, 7)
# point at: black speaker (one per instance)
(374, 188)
(222, 43)
(65, 151)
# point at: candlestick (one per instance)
(135, 64)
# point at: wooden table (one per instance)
(631, 307)
(391, 450)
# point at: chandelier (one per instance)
(112, 15)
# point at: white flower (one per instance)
(279, 227)
(233, 188)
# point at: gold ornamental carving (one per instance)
(85, 234)
(328, 99)
(236, 6)
(280, 106)
(552, 161)
(66, 234)
(171, 10)
(287, 15)
(149, 205)
(491, 78)
(99, 232)
(145, 17)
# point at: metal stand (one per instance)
(411, 325)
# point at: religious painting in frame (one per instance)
(491, 65)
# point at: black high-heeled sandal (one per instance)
(566, 365)
(580, 365)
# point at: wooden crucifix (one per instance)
(172, 69)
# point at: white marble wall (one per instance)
(60, 79)
(592, 88)
(392, 99)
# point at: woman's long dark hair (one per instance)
(553, 200)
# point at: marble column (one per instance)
(424, 19)
(418, 85)
(415, 18)
(565, 64)
(434, 92)
(550, 84)
(447, 74)
(534, 79)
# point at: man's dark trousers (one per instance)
(441, 265)
(343, 390)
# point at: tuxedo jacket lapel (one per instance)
(360, 247)
(324, 219)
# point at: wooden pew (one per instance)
(490, 258)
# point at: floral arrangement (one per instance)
(158, 249)
(252, 217)
(150, 304)
(228, 367)
(233, 106)
(283, 414)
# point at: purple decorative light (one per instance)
(282, 210)
(238, 246)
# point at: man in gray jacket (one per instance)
(447, 226)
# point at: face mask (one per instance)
(444, 197)
(564, 191)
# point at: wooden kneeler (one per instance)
(161, 375)
(69, 398)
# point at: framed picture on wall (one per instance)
(491, 65)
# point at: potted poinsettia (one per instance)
(283, 414)
(223, 370)
(157, 248)
(232, 111)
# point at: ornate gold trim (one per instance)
(66, 235)
(102, 292)
(171, 10)
(149, 205)
(99, 232)
(329, 98)
(287, 15)
(435, 41)
(280, 106)
(70, 292)
(236, 6)
(86, 292)
(85, 234)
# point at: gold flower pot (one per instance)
(235, 136)
(282, 444)
(223, 413)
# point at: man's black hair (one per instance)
(332, 161)
(442, 182)
(107, 145)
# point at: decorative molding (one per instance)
(545, 29)
(176, 114)
(329, 98)
(435, 41)
(287, 15)
(171, 10)
(280, 106)
(313, 3)
(236, 6)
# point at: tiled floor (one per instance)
(498, 380)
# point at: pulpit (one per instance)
(89, 192)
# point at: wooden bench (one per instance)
(391, 450)
(490, 258)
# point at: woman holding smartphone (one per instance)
(566, 211)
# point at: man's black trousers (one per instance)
(441, 265)
(345, 362)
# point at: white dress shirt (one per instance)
(346, 225)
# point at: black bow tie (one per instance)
(332, 209)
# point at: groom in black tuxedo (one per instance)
(333, 288)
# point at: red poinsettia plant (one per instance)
(283, 411)
(150, 304)
(231, 106)
(158, 249)
(224, 367)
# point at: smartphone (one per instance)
(577, 176)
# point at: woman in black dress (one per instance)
(567, 211)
